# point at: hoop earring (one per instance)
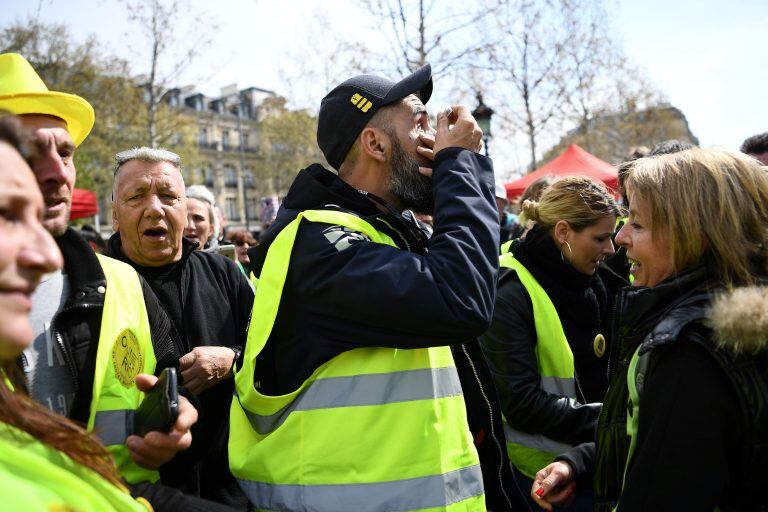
(570, 252)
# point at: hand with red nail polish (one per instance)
(553, 485)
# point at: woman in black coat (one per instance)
(685, 422)
(546, 347)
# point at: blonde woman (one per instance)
(685, 422)
(546, 348)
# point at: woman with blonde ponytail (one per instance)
(47, 462)
(547, 346)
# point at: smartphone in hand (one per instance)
(160, 408)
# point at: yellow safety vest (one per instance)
(531, 452)
(372, 429)
(125, 350)
(35, 477)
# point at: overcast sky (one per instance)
(709, 57)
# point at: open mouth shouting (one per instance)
(156, 234)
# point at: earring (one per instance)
(570, 252)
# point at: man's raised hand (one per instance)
(457, 130)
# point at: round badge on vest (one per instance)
(599, 345)
(127, 358)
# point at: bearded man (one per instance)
(331, 413)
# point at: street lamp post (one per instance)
(482, 115)
(236, 111)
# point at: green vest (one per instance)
(531, 452)
(36, 477)
(125, 350)
(254, 281)
(372, 429)
(505, 247)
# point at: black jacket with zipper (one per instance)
(76, 329)
(510, 344)
(212, 308)
(702, 441)
(343, 291)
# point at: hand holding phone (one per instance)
(160, 408)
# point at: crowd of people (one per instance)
(397, 339)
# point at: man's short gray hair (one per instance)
(144, 154)
(201, 193)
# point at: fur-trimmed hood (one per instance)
(739, 319)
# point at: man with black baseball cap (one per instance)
(348, 395)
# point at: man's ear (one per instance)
(374, 143)
(115, 225)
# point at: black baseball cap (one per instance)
(346, 110)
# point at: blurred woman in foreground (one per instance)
(545, 347)
(692, 360)
(46, 461)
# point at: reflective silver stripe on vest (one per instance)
(368, 389)
(401, 495)
(535, 441)
(562, 386)
(113, 427)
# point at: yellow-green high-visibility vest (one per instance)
(125, 350)
(531, 452)
(372, 429)
(620, 221)
(35, 477)
(505, 247)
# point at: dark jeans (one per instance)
(582, 502)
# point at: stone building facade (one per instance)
(228, 134)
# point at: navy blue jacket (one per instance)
(422, 294)
(344, 291)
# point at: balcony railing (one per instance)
(208, 145)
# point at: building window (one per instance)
(253, 211)
(202, 138)
(248, 177)
(208, 177)
(225, 139)
(230, 176)
(232, 212)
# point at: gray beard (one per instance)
(413, 189)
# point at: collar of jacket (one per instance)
(660, 313)
(316, 188)
(82, 268)
(115, 247)
(579, 296)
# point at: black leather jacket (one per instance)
(77, 325)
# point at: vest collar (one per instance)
(82, 268)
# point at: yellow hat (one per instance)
(22, 91)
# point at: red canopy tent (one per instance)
(84, 204)
(573, 161)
